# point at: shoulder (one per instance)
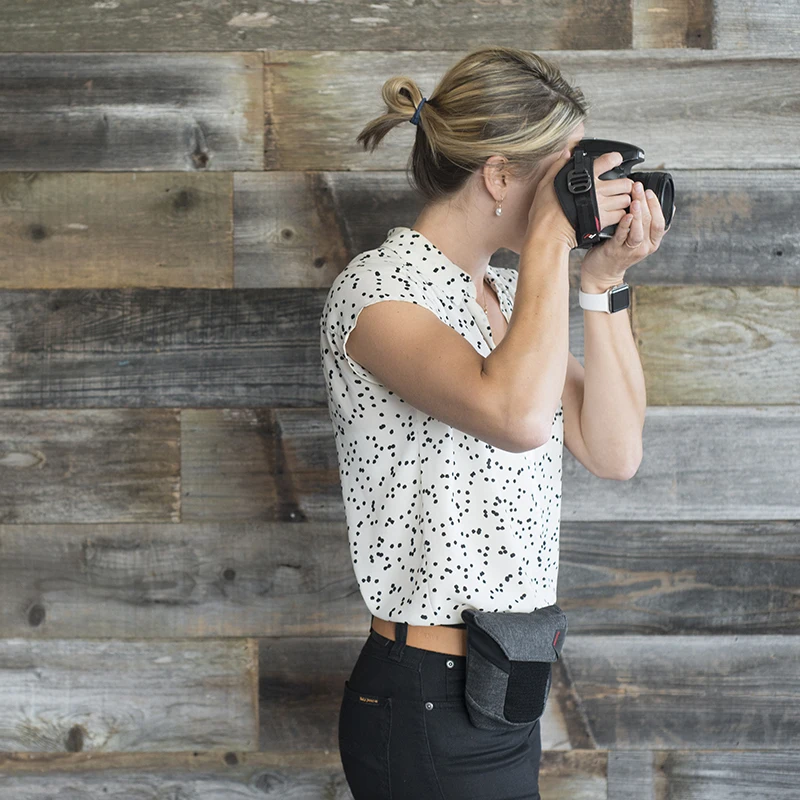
(380, 271)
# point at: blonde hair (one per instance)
(495, 100)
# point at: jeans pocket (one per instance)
(365, 722)
(476, 762)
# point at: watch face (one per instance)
(619, 297)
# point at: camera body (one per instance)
(575, 187)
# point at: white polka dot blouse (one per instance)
(437, 520)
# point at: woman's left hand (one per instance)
(638, 234)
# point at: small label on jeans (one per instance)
(365, 699)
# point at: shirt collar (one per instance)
(432, 263)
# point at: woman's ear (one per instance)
(495, 176)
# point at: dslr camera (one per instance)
(575, 187)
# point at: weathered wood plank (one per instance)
(250, 578)
(747, 460)
(169, 580)
(301, 775)
(128, 111)
(120, 465)
(756, 25)
(699, 94)
(700, 463)
(635, 692)
(359, 25)
(276, 464)
(698, 692)
(72, 695)
(71, 348)
(702, 774)
(685, 23)
(168, 347)
(97, 230)
(722, 775)
(680, 577)
(310, 775)
(296, 229)
(630, 775)
(733, 226)
(742, 334)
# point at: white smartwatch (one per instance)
(615, 299)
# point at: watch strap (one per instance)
(594, 302)
(601, 301)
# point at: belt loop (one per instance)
(396, 650)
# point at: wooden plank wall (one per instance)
(179, 184)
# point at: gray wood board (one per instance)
(698, 692)
(72, 348)
(742, 336)
(89, 465)
(145, 25)
(128, 111)
(686, 108)
(301, 775)
(310, 775)
(756, 25)
(115, 229)
(218, 579)
(732, 227)
(700, 463)
(72, 695)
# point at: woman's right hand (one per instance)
(613, 198)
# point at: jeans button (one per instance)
(450, 664)
(429, 706)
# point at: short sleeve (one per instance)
(366, 280)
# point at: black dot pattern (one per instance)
(437, 520)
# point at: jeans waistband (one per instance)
(398, 650)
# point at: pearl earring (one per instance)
(498, 211)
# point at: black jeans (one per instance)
(404, 731)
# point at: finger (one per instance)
(644, 205)
(614, 186)
(607, 161)
(657, 222)
(636, 235)
(615, 202)
(623, 228)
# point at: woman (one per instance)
(447, 412)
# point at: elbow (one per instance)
(534, 433)
(627, 469)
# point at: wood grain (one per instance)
(714, 110)
(688, 692)
(760, 26)
(696, 343)
(300, 229)
(104, 230)
(127, 111)
(700, 463)
(250, 578)
(63, 465)
(81, 695)
(144, 25)
(74, 348)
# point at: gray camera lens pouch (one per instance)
(509, 664)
